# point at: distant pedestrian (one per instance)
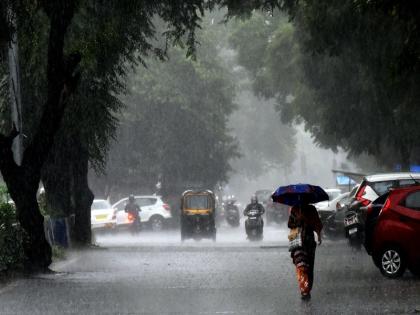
(303, 222)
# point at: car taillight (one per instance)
(166, 207)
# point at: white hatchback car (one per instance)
(154, 212)
(102, 215)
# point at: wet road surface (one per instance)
(153, 273)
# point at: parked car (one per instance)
(326, 208)
(376, 185)
(372, 213)
(332, 194)
(154, 212)
(332, 216)
(396, 233)
(102, 215)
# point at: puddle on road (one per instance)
(226, 236)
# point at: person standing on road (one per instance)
(305, 220)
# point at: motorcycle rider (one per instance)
(254, 205)
(132, 208)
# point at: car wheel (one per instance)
(156, 222)
(392, 262)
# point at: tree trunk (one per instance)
(37, 249)
(22, 181)
(23, 189)
(56, 180)
(83, 198)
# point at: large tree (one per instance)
(338, 61)
(174, 128)
(181, 18)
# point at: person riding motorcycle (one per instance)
(254, 205)
(133, 209)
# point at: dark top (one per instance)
(132, 208)
(307, 219)
(257, 206)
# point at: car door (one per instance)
(409, 209)
(146, 207)
(122, 216)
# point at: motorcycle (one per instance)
(135, 224)
(232, 214)
(254, 225)
(333, 222)
(354, 227)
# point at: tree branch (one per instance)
(62, 81)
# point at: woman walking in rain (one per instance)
(303, 222)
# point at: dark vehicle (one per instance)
(198, 211)
(232, 213)
(334, 224)
(354, 226)
(374, 186)
(332, 216)
(396, 233)
(372, 213)
(369, 190)
(254, 225)
(275, 212)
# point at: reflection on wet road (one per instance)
(153, 273)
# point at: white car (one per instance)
(332, 205)
(376, 185)
(332, 194)
(102, 215)
(154, 212)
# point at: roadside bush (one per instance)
(11, 239)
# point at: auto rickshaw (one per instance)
(198, 212)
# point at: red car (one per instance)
(396, 235)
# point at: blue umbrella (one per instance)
(299, 194)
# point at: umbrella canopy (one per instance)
(298, 194)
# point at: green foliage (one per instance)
(341, 68)
(4, 194)
(11, 239)
(175, 126)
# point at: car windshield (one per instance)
(198, 202)
(100, 204)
